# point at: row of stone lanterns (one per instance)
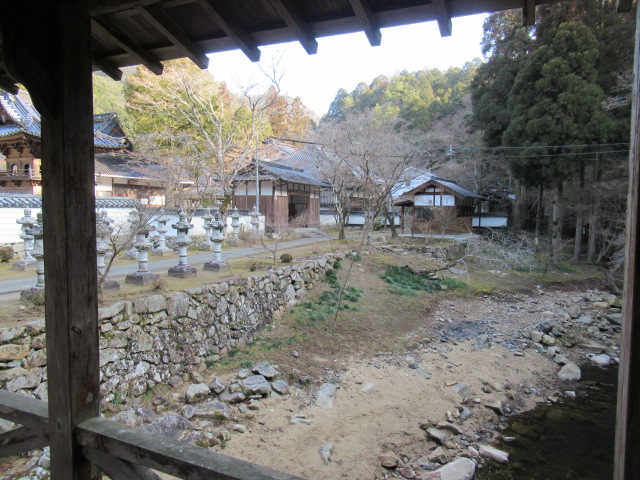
(32, 234)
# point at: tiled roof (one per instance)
(273, 171)
(309, 159)
(123, 165)
(28, 200)
(24, 118)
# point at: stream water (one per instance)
(572, 440)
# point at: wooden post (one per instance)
(70, 245)
(627, 460)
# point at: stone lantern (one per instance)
(235, 226)
(207, 217)
(217, 237)
(26, 222)
(162, 229)
(38, 253)
(183, 269)
(255, 221)
(142, 245)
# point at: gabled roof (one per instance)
(19, 117)
(309, 159)
(414, 178)
(124, 166)
(275, 171)
(452, 187)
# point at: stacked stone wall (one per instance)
(161, 338)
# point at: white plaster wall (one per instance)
(9, 229)
(489, 222)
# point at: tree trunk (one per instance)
(556, 221)
(518, 220)
(540, 210)
(594, 213)
(577, 245)
(392, 222)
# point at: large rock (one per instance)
(196, 392)
(570, 372)
(459, 469)
(265, 369)
(280, 386)
(326, 395)
(494, 454)
(232, 397)
(214, 410)
(601, 360)
(217, 385)
(256, 385)
(615, 318)
(11, 352)
(438, 435)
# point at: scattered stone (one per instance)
(368, 388)
(548, 340)
(235, 397)
(593, 347)
(265, 369)
(217, 386)
(570, 372)
(495, 454)
(326, 450)
(256, 385)
(483, 341)
(574, 311)
(196, 392)
(615, 318)
(244, 373)
(213, 410)
(388, 460)
(496, 406)
(240, 428)
(602, 305)
(438, 455)
(449, 426)
(438, 435)
(601, 360)
(560, 359)
(465, 413)
(172, 426)
(460, 469)
(406, 472)
(536, 336)
(280, 386)
(300, 420)
(585, 320)
(326, 395)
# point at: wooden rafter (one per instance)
(443, 16)
(139, 54)
(529, 13)
(107, 68)
(363, 11)
(232, 28)
(288, 11)
(168, 27)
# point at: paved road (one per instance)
(157, 264)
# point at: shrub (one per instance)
(6, 254)
(286, 258)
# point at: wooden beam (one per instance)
(168, 27)
(627, 460)
(23, 439)
(107, 68)
(139, 54)
(623, 5)
(68, 203)
(363, 11)
(288, 11)
(232, 28)
(117, 469)
(23, 410)
(169, 456)
(443, 17)
(529, 13)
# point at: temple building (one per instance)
(118, 173)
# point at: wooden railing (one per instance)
(19, 175)
(122, 452)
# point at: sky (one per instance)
(346, 60)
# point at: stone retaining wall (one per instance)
(162, 338)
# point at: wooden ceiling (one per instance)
(148, 32)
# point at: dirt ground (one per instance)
(401, 364)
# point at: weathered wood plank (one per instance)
(118, 469)
(363, 11)
(23, 410)
(174, 33)
(529, 13)
(169, 456)
(443, 17)
(627, 460)
(23, 439)
(71, 299)
(232, 28)
(289, 12)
